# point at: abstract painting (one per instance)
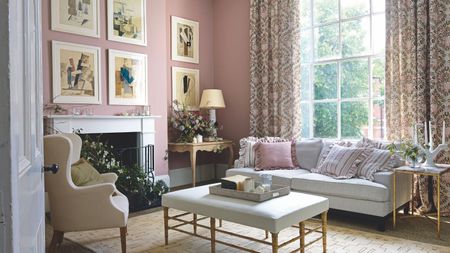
(127, 21)
(80, 17)
(186, 87)
(76, 73)
(185, 40)
(127, 78)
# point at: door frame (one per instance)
(9, 155)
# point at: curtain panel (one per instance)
(418, 79)
(275, 68)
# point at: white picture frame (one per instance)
(76, 73)
(185, 40)
(186, 87)
(80, 20)
(121, 11)
(128, 78)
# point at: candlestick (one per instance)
(443, 132)
(415, 133)
(431, 134)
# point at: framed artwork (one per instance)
(76, 73)
(127, 78)
(79, 17)
(186, 87)
(185, 40)
(127, 21)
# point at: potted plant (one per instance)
(408, 151)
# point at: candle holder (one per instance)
(431, 153)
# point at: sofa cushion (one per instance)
(342, 162)
(354, 188)
(307, 152)
(378, 160)
(273, 156)
(247, 151)
(326, 148)
(279, 177)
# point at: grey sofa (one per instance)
(362, 196)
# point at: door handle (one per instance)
(53, 168)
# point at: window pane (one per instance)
(355, 78)
(378, 79)
(378, 5)
(325, 11)
(305, 121)
(325, 120)
(306, 53)
(305, 13)
(305, 77)
(378, 119)
(354, 8)
(325, 81)
(326, 41)
(379, 33)
(356, 37)
(354, 119)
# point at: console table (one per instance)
(432, 172)
(192, 148)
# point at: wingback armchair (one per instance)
(74, 208)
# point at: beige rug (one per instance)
(146, 235)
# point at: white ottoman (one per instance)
(273, 215)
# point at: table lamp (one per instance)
(212, 99)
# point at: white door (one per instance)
(23, 181)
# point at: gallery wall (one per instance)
(202, 12)
(157, 78)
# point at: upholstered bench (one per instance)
(273, 215)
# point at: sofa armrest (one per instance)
(403, 185)
(109, 177)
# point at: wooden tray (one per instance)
(275, 192)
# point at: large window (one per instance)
(342, 68)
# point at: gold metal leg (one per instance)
(324, 231)
(274, 242)
(193, 164)
(394, 210)
(302, 237)
(439, 206)
(166, 225)
(212, 223)
(412, 195)
(195, 223)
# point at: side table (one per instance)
(429, 171)
(192, 148)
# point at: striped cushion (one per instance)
(342, 162)
(327, 146)
(378, 160)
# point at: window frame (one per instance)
(370, 56)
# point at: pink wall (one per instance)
(157, 68)
(202, 12)
(232, 65)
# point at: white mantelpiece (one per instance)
(98, 124)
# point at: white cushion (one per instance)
(354, 188)
(273, 215)
(279, 177)
(308, 152)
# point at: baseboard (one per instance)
(183, 176)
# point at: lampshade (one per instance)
(212, 99)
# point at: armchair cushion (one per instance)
(84, 174)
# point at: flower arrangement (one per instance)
(189, 124)
(408, 151)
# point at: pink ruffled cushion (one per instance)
(271, 156)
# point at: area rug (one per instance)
(146, 235)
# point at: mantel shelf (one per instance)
(99, 117)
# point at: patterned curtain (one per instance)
(275, 68)
(418, 78)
